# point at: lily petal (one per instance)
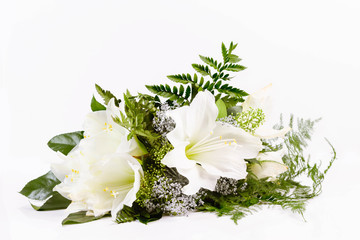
(248, 145)
(130, 197)
(260, 99)
(177, 158)
(198, 178)
(265, 132)
(195, 121)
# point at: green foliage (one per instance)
(80, 217)
(64, 143)
(193, 84)
(296, 142)
(96, 106)
(173, 94)
(54, 203)
(41, 189)
(203, 70)
(153, 168)
(286, 191)
(136, 212)
(107, 95)
(139, 112)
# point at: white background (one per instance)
(52, 53)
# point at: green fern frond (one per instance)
(203, 70)
(181, 78)
(211, 62)
(185, 94)
(172, 94)
(232, 91)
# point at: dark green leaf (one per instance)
(64, 143)
(173, 174)
(181, 90)
(126, 214)
(206, 85)
(96, 106)
(40, 188)
(80, 217)
(54, 203)
(187, 92)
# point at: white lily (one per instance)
(261, 99)
(100, 174)
(205, 149)
(271, 165)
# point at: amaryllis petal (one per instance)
(198, 178)
(195, 121)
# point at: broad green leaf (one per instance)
(64, 143)
(173, 174)
(96, 106)
(55, 202)
(222, 109)
(40, 188)
(80, 217)
(126, 214)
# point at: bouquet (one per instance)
(203, 145)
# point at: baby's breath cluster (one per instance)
(167, 197)
(162, 123)
(226, 186)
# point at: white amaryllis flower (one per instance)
(100, 174)
(103, 136)
(271, 165)
(106, 185)
(205, 149)
(261, 99)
